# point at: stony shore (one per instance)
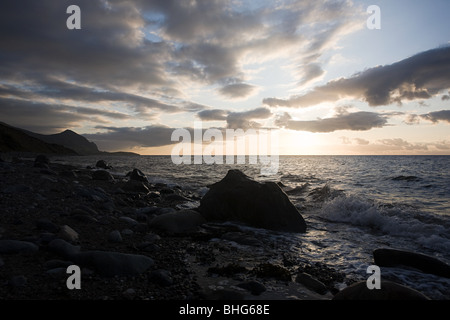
(54, 215)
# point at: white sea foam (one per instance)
(396, 222)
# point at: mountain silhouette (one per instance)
(68, 142)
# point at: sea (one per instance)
(351, 204)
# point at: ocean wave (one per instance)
(392, 221)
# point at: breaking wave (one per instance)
(432, 233)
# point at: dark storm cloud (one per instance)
(109, 50)
(418, 77)
(356, 121)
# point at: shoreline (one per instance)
(38, 201)
(54, 202)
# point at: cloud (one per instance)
(236, 120)
(116, 138)
(358, 141)
(436, 116)
(69, 92)
(418, 77)
(403, 144)
(361, 142)
(211, 115)
(110, 49)
(52, 117)
(356, 121)
(237, 90)
(215, 38)
(412, 119)
(310, 72)
(243, 120)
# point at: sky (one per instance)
(311, 71)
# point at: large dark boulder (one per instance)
(263, 205)
(137, 175)
(386, 257)
(388, 291)
(103, 165)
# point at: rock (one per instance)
(137, 175)
(56, 271)
(102, 175)
(177, 222)
(152, 237)
(129, 294)
(263, 205)
(17, 246)
(224, 294)
(68, 234)
(175, 197)
(127, 232)
(388, 291)
(46, 225)
(17, 188)
(115, 236)
(46, 237)
(135, 186)
(110, 264)
(148, 246)
(161, 277)
(272, 271)
(130, 221)
(63, 248)
(69, 174)
(102, 164)
(93, 194)
(393, 258)
(105, 263)
(18, 281)
(311, 283)
(228, 270)
(55, 264)
(255, 287)
(83, 218)
(161, 211)
(166, 191)
(41, 161)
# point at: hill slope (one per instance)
(15, 140)
(69, 139)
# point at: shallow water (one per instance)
(352, 205)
